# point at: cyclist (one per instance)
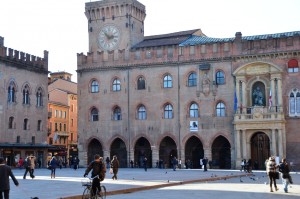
(98, 168)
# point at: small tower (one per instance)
(114, 24)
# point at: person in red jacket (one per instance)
(5, 172)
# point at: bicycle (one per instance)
(88, 193)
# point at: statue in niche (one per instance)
(258, 97)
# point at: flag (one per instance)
(235, 101)
(270, 99)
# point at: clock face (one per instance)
(109, 37)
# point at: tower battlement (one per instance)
(24, 60)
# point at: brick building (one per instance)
(23, 105)
(184, 94)
(62, 122)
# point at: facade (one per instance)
(23, 105)
(184, 94)
(62, 117)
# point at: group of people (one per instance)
(246, 165)
(284, 169)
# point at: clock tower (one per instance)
(114, 24)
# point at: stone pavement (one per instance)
(155, 183)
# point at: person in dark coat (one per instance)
(205, 161)
(5, 172)
(145, 163)
(53, 165)
(115, 167)
(27, 166)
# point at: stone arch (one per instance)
(94, 147)
(193, 152)
(260, 149)
(167, 150)
(221, 153)
(142, 149)
(118, 148)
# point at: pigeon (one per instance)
(166, 172)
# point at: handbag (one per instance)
(49, 167)
(111, 171)
(277, 175)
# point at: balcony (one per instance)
(257, 114)
(62, 133)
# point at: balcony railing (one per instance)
(259, 113)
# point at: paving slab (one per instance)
(155, 183)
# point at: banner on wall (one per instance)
(193, 125)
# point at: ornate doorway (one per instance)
(193, 152)
(94, 148)
(142, 149)
(167, 150)
(260, 150)
(118, 148)
(221, 153)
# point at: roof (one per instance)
(19, 145)
(196, 40)
(64, 85)
(167, 39)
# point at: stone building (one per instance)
(62, 122)
(184, 94)
(23, 105)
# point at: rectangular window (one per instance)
(226, 47)
(72, 122)
(39, 125)
(170, 52)
(148, 54)
(192, 50)
(65, 114)
(215, 48)
(203, 49)
(65, 127)
(180, 50)
(137, 55)
(158, 52)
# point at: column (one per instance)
(244, 94)
(155, 156)
(274, 152)
(238, 145)
(272, 87)
(280, 148)
(244, 144)
(279, 81)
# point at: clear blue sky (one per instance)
(60, 26)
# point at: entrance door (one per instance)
(167, 150)
(221, 156)
(94, 148)
(142, 149)
(260, 150)
(118, 148)
(193, 152)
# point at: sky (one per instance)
(60, 26)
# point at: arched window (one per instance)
(293, 66)
(168, 111)
(39, 97)
(25, 124)
(220, 78)
(94, 115)
(116, 85)
(168, 81)
(11, 122)
(94, 86)
(26, 94)
(11, 92)
(141, 83)
(194, 110)
(220, 109)
(192, 80)
(142, 114)
(117, 114)
(294, 103)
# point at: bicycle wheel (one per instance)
(103, 192)
(86, 193)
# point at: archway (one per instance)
(260, 150)
(193, 152)
(167, 150)
(118, 148)
(94, 147)
(221, 154)
(142, 149)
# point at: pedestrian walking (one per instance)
(27, 166)
(205, 161)
(115, 167)
(32, 165)
(76, 163)
(271, 172)
(174, 163)
(20, 163)
(53, 165)
(284, 169)
(98, 168)
(145, 163)
(107, 160)
(5, 173)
